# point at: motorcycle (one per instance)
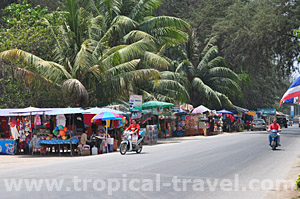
(274, 138)
(127, 143)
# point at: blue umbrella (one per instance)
(224, 111)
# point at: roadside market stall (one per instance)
(151, 134)
(68, 123)
(8, 143)
(108, 117)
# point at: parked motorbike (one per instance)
(127, 144)
(274, 138)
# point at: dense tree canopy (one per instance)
(255, 38)
(98, 51)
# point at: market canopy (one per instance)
(224, 111)
(97, 110)
(31, 110)
(155, 104)
(201, 109)
(8, 112)
(187, 107)
(66, 111)
(240, 109)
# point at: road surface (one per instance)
(237, 165)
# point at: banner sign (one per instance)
(175, 109)
(267, 111)
(135, 103)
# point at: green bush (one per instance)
(298, 183)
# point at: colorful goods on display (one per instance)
(151, 135)
(186, 123)
(60, 132)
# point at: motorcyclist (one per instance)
(134, 127)
(275, 126)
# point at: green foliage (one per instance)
(14, 93)
(298, 183)
(254, 34)
(23, 13)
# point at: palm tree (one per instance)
(210, 81)
(136, 27)
(116, 54)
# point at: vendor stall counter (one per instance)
(8, 146)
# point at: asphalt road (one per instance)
(237, 165)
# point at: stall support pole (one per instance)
(71, 150)
(106, 139)
(165, 128)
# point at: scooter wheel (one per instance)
(123, 148)
(140, 148)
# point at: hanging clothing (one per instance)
(37, 120)
(13, 130)
(79, 122)
(27, 125)
(61, 120)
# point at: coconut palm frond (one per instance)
(217, 62)
(211, 54)
(144, 8)
(155, 61)
(132, 51)
(137, 35)
(226, 103)
(110, 51)
(97, 28)
(110, 8)
(169, 35)
(212, 42)
(49, 70)
(182, 79)
(170, 88)
(17, 55)
(31, 78)
(120, 27)
(186, 68)
(205, 91)
(124, 80)
(222, 72)
(161, 97)
(224, 82)
(122, 68)
(52, 70)
(84, 59)
(164, 21)
(147, 96)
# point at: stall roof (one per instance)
(240, 109)
(62, 111)
(31, 110)
(7, 112)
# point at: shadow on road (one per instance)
(278, 150)
(133, 153)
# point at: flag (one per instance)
(292, 92)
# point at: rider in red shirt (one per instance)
(275, 126)
(134, 127)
